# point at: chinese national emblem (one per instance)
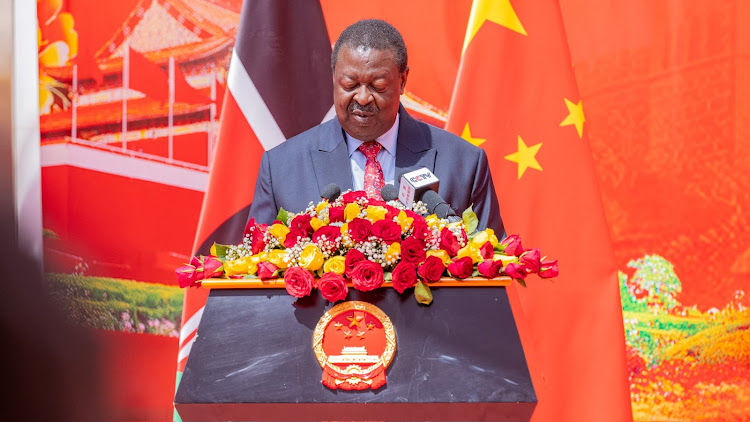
(354, 343)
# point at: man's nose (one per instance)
(363, 95)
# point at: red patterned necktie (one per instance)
(374, 180)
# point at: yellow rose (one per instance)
(279, 231)
(442, 254)
(316, 223)
(431, 219)
(335, 264)
(505, 258)
(213, 250)
(276, 257)
(321, 206)
(471, 250)
(240, 266)
(482, 237)
(404, 221)
(393, 253)
(311, 258)
(375, 213)
(351, 211)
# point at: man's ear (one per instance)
(404, 75)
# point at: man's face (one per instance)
(366, 90)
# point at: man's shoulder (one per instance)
(305, 140)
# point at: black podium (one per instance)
(459, 359)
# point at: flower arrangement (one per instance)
(369, 243)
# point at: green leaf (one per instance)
(470, 219)
(387, 276)
(246, 276)
(521, 281)
(422, 293)
(221, 251)
(475, 273)
(283, 216)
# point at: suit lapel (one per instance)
(414, 148)
(330, 157)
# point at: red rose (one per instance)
(249, 228)
(489, 268)
(352, 259)
(432, 269)
(330, 232)
(404, 276)
(387, 230)
(333, 287)
(353, 196)
(419, 228)
(302, 222)
(461, 268)
(391, 212)
(531, 260)
(413, 250)
(267, 270)
(449, 242)
(487, 251)
(548, 269)
(512, 245)
(336, 214)
(514, 270)
(258, 243)
(187, 276)
(298, 281)
(360, 229)
(375, 202)
(367, 275)
(291, 237)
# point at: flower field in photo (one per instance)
(684, 363)
(119, 305)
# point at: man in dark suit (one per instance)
(370, 69)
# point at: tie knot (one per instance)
(370, 149)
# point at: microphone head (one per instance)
(331, 192)
(431, 199)
(437, 205)
(389, 193)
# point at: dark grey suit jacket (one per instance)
(295, 172)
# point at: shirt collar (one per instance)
(387, 140)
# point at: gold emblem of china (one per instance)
(354, 343)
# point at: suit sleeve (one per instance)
(263, 208)
(484, 198)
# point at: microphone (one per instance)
(330, 192)
(389, 193)
(414, 184)
(437, 205)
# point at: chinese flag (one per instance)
(148, 77)
(516, 97)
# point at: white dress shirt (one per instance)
(386, 157)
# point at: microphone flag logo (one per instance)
(354, 343)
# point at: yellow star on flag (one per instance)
(466, 134)
(525, 157)
(497, 11)
(575, 116)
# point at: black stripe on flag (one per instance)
(285, 49)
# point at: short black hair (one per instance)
(372, 33)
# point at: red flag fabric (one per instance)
(148, 77)
(516, 97)
(184, 92)
(279, 84)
